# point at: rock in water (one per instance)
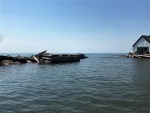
(6, 62)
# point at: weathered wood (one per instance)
(42, 57)
(36, 59)
(41, 53)
(65, 59)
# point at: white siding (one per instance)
(141, 43)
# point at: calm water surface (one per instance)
(103, 83)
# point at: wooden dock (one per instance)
(132, 55)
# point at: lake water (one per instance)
(102, 83)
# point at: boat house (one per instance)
(142, 45)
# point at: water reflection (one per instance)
(141, 74)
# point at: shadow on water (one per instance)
(60, 63)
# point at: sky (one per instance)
(72, 26)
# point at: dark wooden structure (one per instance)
(42, 57)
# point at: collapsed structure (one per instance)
(42, 57)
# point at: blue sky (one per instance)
(72, 26)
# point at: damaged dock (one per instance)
(132, 55)
(42, 58)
